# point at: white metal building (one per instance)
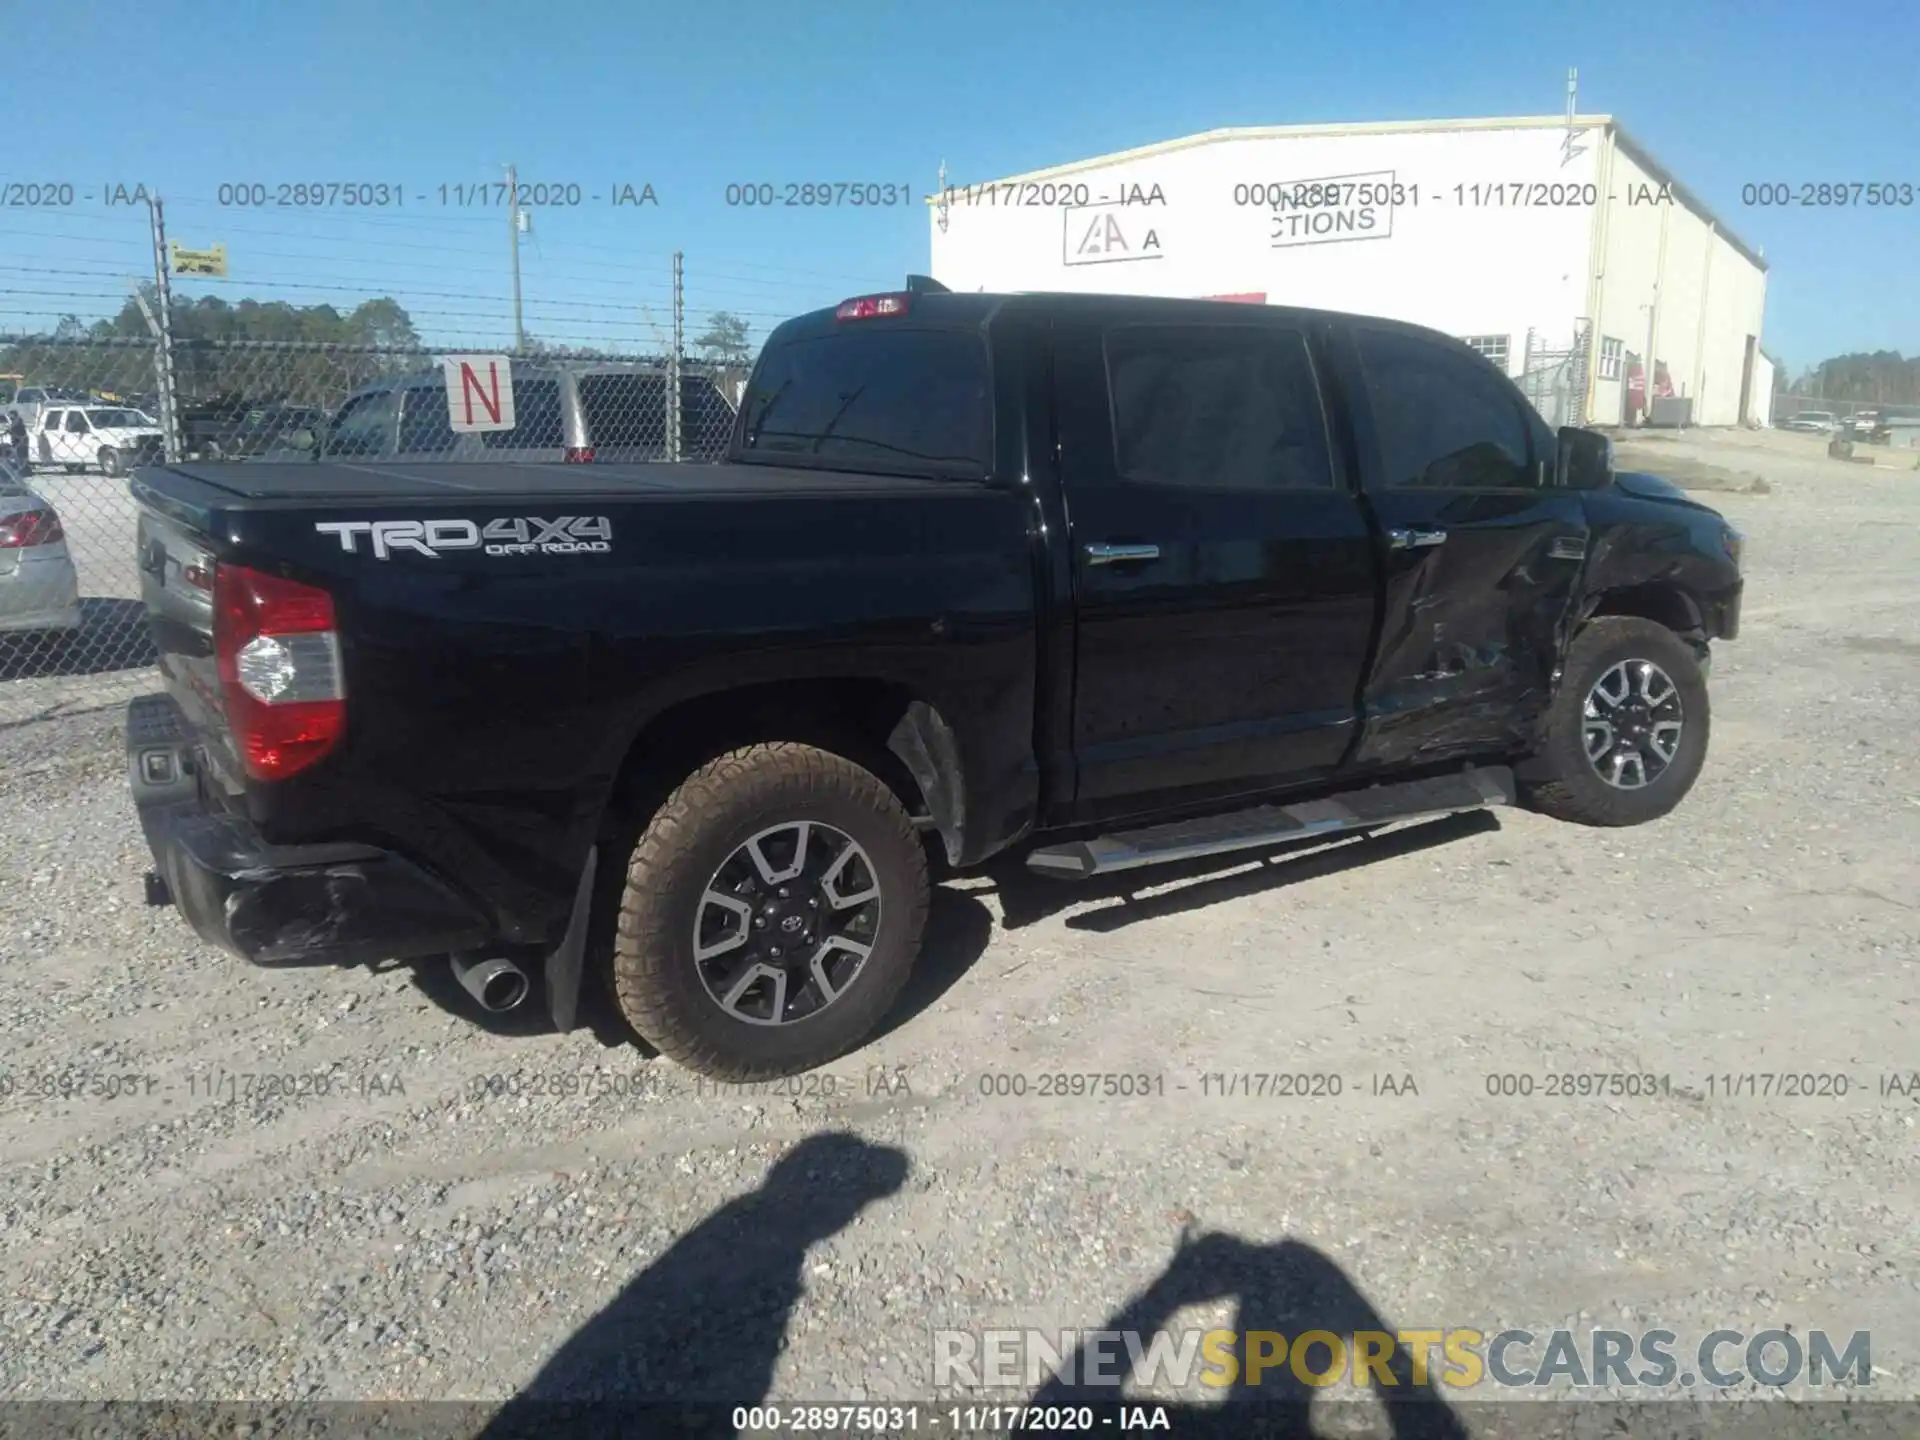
(1561, 248)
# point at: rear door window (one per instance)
(911, 402)
(536, 419)
(1216, 407)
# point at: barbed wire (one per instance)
(608, 311)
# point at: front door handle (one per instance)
(1120, 554)
(1415, 539)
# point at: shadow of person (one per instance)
(1287, 1288)
(698, 1331)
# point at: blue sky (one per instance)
(688, 97)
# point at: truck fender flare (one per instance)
(923, 741)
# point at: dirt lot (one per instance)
(411, 1234)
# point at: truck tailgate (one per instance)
(176, 585)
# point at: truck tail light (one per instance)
(579, 455)
(30, 528)
(868, 307)
(280, 673)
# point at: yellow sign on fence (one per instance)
(197, 262)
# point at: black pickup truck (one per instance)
(1111, 580)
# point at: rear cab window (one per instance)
(425, 427)
(364, 426)
(875, 396)
(537, 421)
(623, 410)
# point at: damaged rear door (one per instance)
(1482, 553)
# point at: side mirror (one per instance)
(303, 439)
(1585, 460)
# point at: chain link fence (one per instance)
(1555, 379)
(1789, 403)
(80, 414)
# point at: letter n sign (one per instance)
(479, 392)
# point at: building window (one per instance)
(1494, 347)
(1612, 352)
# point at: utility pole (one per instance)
(163, 336)
(1568, 150)
(513, 240)
(674, 439)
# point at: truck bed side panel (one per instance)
(491, 699)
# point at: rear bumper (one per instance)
(279, 904)
(41, 592)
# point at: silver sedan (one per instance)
(39, 588)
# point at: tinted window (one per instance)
(1445, 422)
(912, 401)
(424, 425)
(363, 427)
(536, 418)
(1216, 407)
(625, 410)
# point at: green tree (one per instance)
(219, 351)
(725, 340)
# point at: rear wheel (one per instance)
(1627, 734)
(772, 911)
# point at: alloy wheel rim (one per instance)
(1632, 724)
(786, 923)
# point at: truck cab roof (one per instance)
(947, 309)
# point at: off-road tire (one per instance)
(715, 810)
(1565, 785)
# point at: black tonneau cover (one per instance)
(342, 480)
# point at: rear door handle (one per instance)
(1415, 539)
(1120, 554)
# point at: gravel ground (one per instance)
(409, 1235)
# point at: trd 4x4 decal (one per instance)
(519, 535)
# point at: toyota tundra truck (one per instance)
(1102, 581)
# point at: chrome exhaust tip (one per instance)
(497, 984)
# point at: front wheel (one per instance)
(773, 909)
(110, 463)
(1627, 733)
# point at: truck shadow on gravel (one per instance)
(960, 927)
(113, 635)
(1026, 898)
(701, 1330)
